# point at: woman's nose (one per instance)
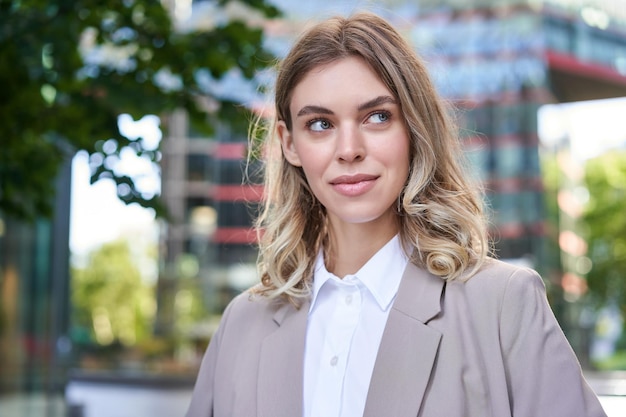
(350, 145)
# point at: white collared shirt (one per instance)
(345, 325)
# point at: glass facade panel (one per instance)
(476, 121)
(531, 207)
(200, 167)
(236, 213)
(233, 254)
(509, 162)
(478, 158)
(35, 349)
(506, 208)
(533, 165)
(559, 35)
(508, 120)
(231, 171)
(529, 127)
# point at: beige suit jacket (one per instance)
(489, 347)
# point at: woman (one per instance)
(377, 295)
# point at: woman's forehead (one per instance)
(346, 76)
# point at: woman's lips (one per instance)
(353, 185)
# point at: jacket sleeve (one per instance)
(544, 377)
(201, 404)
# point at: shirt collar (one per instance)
(381, 275)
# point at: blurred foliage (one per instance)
(114, 312)
(69, 68)
(605, 225)
(549, 258)
(616, 362)
(111, 302)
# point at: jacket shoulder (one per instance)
(499, 274)
(496, 284)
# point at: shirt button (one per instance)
(349, 299)
(334, 360)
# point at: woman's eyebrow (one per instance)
(376, 102)
(313, 110)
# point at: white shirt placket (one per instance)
(335, 351)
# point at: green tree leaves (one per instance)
(111, 301)
(605, 224)
(68, 69)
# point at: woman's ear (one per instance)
(286, 143)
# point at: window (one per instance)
(200, 167)
(236, 213)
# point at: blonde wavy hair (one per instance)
(440, 210)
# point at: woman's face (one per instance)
(349, 138)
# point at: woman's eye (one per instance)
(379, 117)
(319, 125)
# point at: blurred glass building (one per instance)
(34, 297)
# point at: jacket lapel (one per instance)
(408, 347)
(279, 386)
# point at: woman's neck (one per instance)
(352, 245)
